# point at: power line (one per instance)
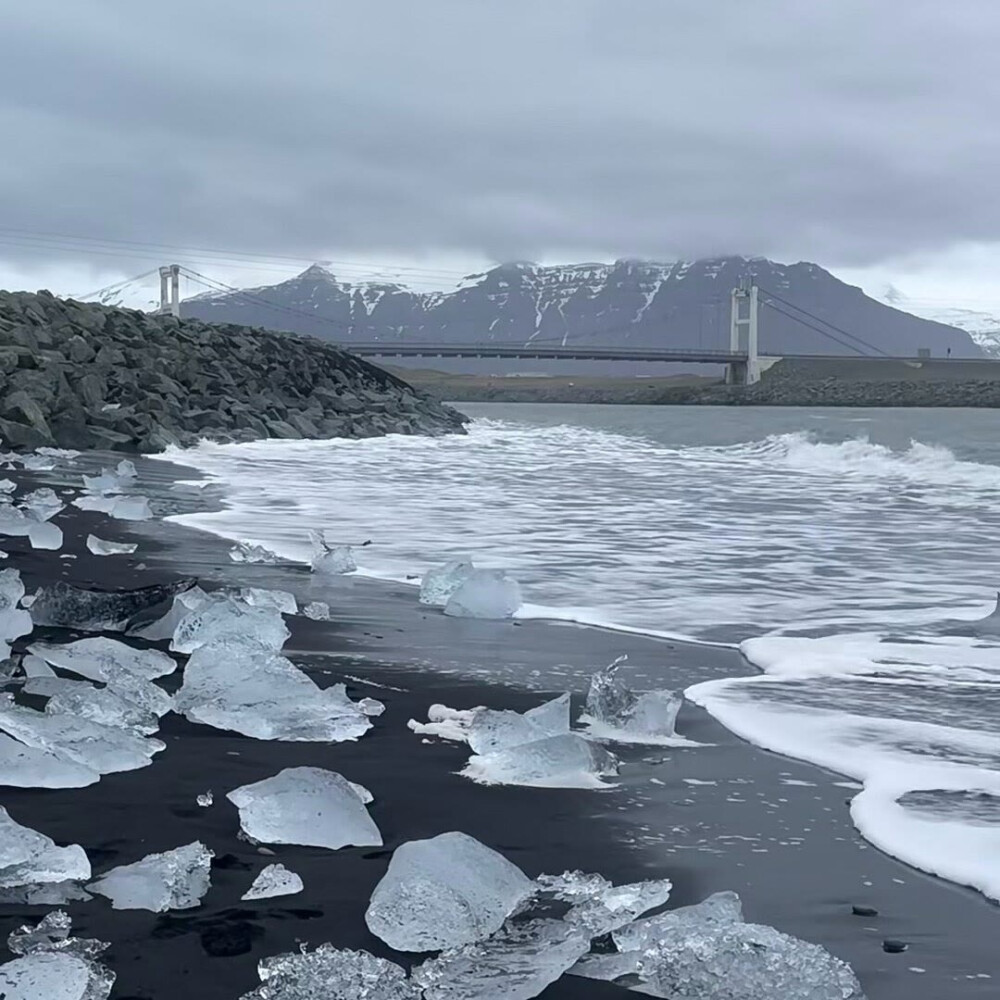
(819, 319)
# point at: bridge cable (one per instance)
(116, 286)
(825, 333)
(825, 322)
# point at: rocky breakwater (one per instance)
(76, 375)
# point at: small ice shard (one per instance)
(362, 792)
(131, 508)
(107, 482)
(226, 621)
(101, 547)
(172, 880)
(254, 691)
(28, 857)
(274, 880)
(125, 469)
(104, 749)
(164, 627)
(205, 799)
(515, 964)
(7, 486)
(257, 597)
(485, 593)
(330, 973)
(318, 611)
(101, 659)
(42, 504)
(245, 552)
(441, 582)
(66, 606)
(51, 933)
(492, 730)
(446, 723)
(22, 766)
(307, 806)
(46, 894)
(39, 462)
(566, 761)
(445, 892)
(614, 711)
(330, 559)
(599, 907)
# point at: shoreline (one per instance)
(722, 816)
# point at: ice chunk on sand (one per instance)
(43, 460)
(441, 582)
(491, 730)
(205, 799)
(274, 880)
(35, 666)
(47, 894)
(716, 910)
(566, 761)
(7, 486)
(104, 706)
(485, 593)
(66, 606)
(614, 711)
(131, 508)
(173, 880)
(329, 558)
(257, 597)
(99, 504)
(14, 621)
(51, 934)
(40, 534)
(308, 806)
(163, 628)
(100, 659)
(54, 976)
(28, 857)
(599, 907)
(446, 723)
(244, 552)
(330, 973)
(515, 964)
(254, 691)
(318, 611)
(101, 547)
(229, 622)
(101, 748)
(42, 504)
(22, 766)
(445, 892)
(126, 469)
(107, 482)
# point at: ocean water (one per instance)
(846, 552)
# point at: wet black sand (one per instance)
(789, 849)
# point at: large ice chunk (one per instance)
(565, 761)
(485, 593)
(104, 706)
(102, 547)
(330, 558)
(254, 691)
(308, 806)
(445, 892)
(274, 880)
(172, 880)
(22, 766)
(40, 534)
(28, 857)
(257, 597)
(441, 582)
(245, 552)
(42, 504)
(615, 711)
(225, 621)
(330, 973)
(164, 627)
(491, 730)
(14, 621)
(102, 659)
(66, 606)
(54, 976)
(716, 910)
(515, 964)
(599, 907)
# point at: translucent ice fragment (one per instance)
(274, 880)
(599, 907)
(45, 894)
(105, 706)
(205, 799)
(125, 469)
(107, 482)
(100, 659)
(40, 534)
(318, 611)
(14, 621)
(515, 964)
(445, 892)
(227, 621)
(35, 666)
(492, 730)
(164, 627)
(330, 973)
(566, 761)
(131, 508)
(101, 547)
(244, 552)
(716, 910)
(39, 462)
(614, 709)
(51, 933)
(441, 582)
(308, 806)
(7, 486)
(254, 691)
(42, 504)
(22, 766)
(172, 880)
(54, 976)
(485, 593)
(66, 606)
(335, 561)
(257, 597)
(28, 857)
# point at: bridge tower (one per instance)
(743, 313)
(170, 295)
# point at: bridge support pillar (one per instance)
(743, 314)
(170, 297)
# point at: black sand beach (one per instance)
(776, 831)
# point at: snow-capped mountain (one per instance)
(682, 304)
(982, 327)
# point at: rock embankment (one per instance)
(76, 375)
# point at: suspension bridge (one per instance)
(742, 360)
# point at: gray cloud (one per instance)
(844, 132)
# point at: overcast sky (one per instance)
(446, 134)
